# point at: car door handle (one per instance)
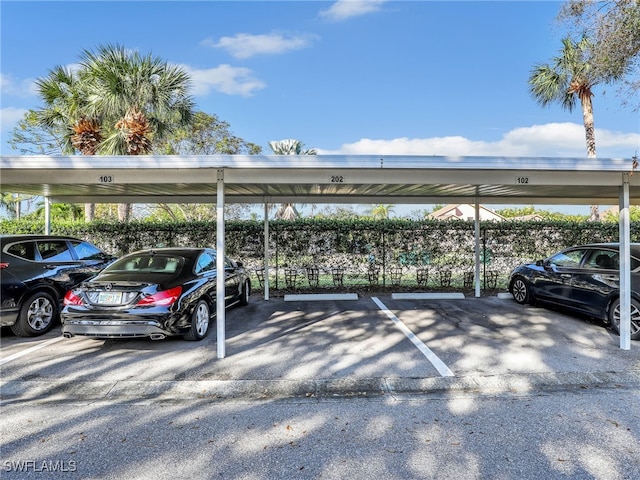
(611, 277)
(49, 267)
(565, 275)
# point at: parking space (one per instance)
(371, 337)
(494, 336)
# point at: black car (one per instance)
(153, 293)
(585, 279)
(37, 271)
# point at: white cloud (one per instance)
(550, 140)
(9, 116)
(224, 79)
(345, 9)
(244, 45)
(23, 88)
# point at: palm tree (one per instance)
(290, 147)
(288, 211)
(382, 211)
(66, 112)
(11, 204)
(566, 80)
(59, 211)
(141, 97)
(145, 96)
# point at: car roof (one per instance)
(634, 246)
(182, 251)
(604, 244)
(34, 236)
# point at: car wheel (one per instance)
(199, 322)
(521, 291)
(614, 318)
(36, 315)
(246, 293)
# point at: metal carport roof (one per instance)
(399, 179)
(320, 178)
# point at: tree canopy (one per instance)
(119, 102)
(614, 29)
(515, 212)
(205, 134)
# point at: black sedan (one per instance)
(584, 279)
(36, 272)
(153, 293)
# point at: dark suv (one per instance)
(36, 271)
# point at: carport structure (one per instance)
(388, 179)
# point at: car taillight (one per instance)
(163, 298)
(3, 265)
(72, 299)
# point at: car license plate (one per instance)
(110, 298)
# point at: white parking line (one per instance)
(30, 350)
(426, 351)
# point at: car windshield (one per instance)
(147, 263)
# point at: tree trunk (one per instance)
(589, 129)
(287, 211)
(89, 212)
(590, 137)
(124, 212)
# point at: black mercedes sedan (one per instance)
(585, 279)
(153, 293)
(36, 272)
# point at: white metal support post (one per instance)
(625, 266)
(266, 251)
(220, 271)
(47, 216)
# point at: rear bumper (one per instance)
(114, 329)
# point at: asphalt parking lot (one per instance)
(376, 344)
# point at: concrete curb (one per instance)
(130, 390)
(428, 296)
(315, 297)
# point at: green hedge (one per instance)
(354, 246)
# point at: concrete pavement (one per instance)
(375, 345)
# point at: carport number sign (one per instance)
(522, 180)
(106, 179)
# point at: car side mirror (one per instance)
(547, 265)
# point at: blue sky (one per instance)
(358, 77)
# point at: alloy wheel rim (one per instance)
(519, 290)
(202, 319)
(40, 314)
(635, 318)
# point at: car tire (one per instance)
(199, 322)
(36, 316)
(614, 318)
(246, 293)
(521, 291)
